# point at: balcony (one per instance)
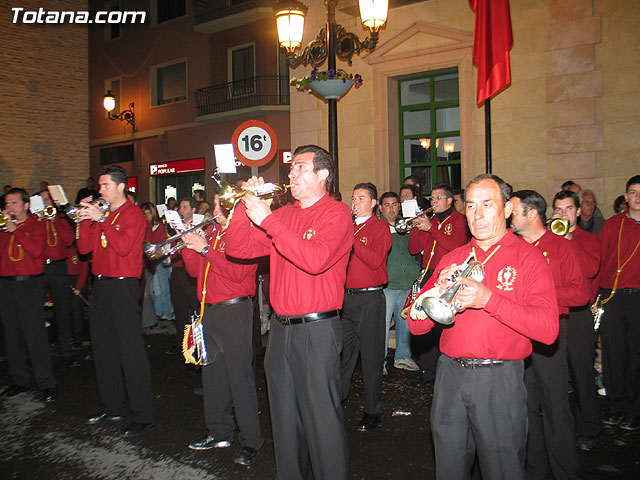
(267, 93)
(218, 15)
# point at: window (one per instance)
(119, 154)
(169, 83)
(166, 10)
(112, 30)
(113, 84)
(242, 70)
(429, 116)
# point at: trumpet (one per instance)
(406, 224)
(558, 225)
(597, 309)
(230, 194)
(73, 212)
(6, 218)
(48, 213)
(161, 249)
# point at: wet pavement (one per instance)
(41, 441)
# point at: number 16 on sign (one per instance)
(255, 143)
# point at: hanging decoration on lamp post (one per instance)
(332, 42)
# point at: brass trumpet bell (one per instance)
(231, 194)
(559, 226)
(48, 213)
(6, 218)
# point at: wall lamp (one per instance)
(109, 103)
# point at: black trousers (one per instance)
(78, 321)
(428, 348)
(229, 383)
(119, 351)
(479, 410)
(184, 299)
(620, 337)
(551, 426)
(26, 341)
(581, 342)
(302, 364)
(58, 283)
(363, 333)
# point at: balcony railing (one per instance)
(251, 92)
(208, 10)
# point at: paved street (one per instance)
(38, 441)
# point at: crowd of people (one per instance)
(492, 301)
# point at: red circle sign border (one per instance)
(274, 142)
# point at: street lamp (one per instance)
(332, 41)
(109, 103)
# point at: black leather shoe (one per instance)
(136, 428)
(369, 422)
(49, 395)
(586, 443)
(208, 442)
(103, 417)
(13, 390)
(247, 456)
(630, 422)
(614, 419)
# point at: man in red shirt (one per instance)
(551, 424)
(119, 353)
(479, 395)
(226, 285)
(363, 311)
(581, 338)
(22, 299)
(620, 327)
(309, 244)
(435, 237)
(59, 236)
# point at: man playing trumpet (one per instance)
(479, 403)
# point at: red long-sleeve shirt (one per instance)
(587, 247)
(75, 266)
(309, 251)
(443, 236)
(572, 289)
(157, 235)
(116, 243)
(227, 278)
(368, 261)
(522, 306)
(630, 275)
(59, 235)
(21, 251)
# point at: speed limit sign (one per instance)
(255, 143)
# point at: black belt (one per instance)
(628, 290)
(102, 277)
(351, 291)
(20, 278)
(564, 316)
(48, 261)
(308, 318)
(228, 302)
(479, 362)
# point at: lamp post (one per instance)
(109, 103)
(332, 41)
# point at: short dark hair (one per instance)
(563, 195)
(192, 201)
(632, 181)
(443, 186)
(200, 192)
(386, 195)
(322, 160)
(458, 191)
(413, 189)
(619, 204)
(505, 191)
(567, 184)
(532, 200)
(19, 191)
(414, 178)
(369, 187)
(117, 174)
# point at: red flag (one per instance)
(492, 40)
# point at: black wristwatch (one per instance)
(205, 250)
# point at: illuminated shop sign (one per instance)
(179, 166)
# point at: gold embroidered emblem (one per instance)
(309, 234)
(222, 246)
(506, 278)
(364, 240)
(448, 228)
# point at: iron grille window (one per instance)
(429, 115)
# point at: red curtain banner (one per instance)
(492, 40)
